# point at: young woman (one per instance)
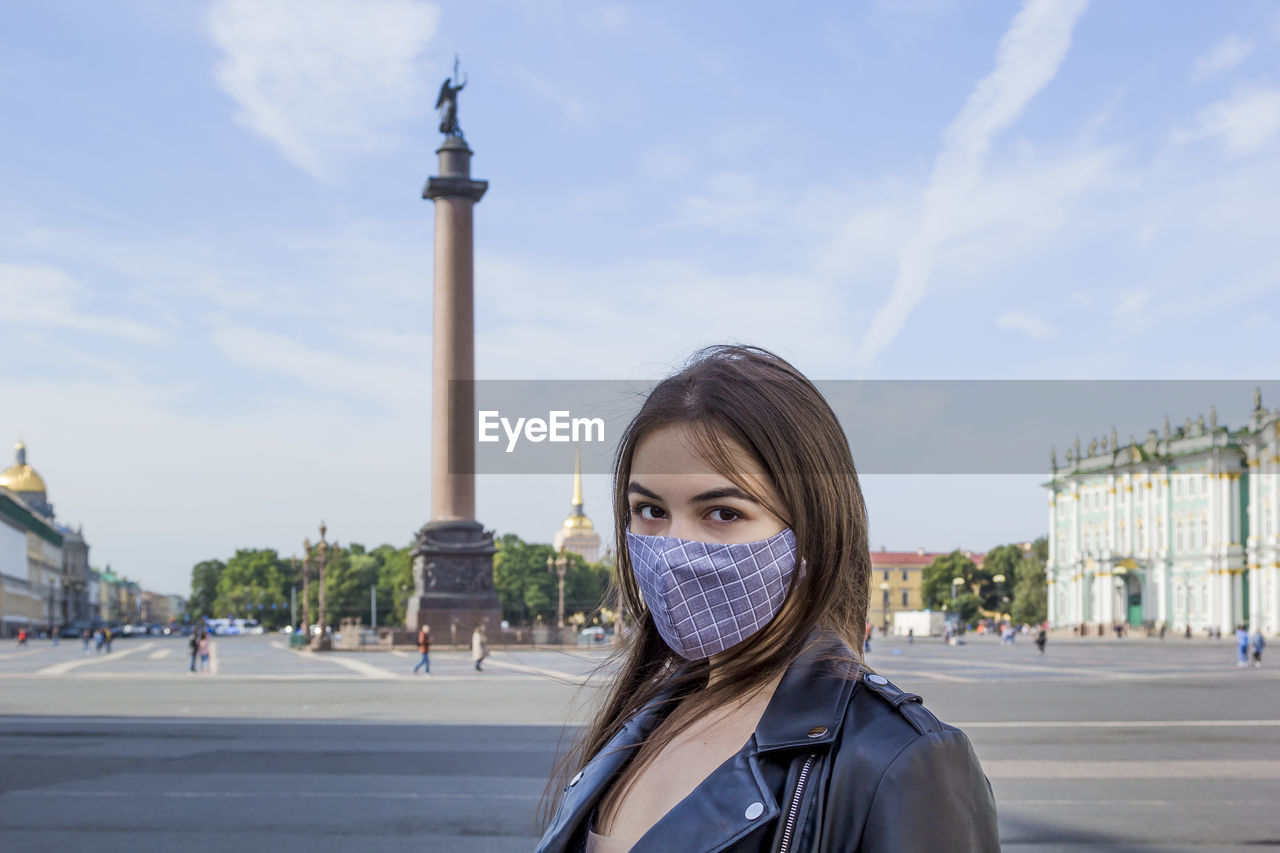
(743, 717)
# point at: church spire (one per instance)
(577, 480)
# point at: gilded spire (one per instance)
(577, 479)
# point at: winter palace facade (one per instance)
(1175, 531)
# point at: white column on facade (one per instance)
(1130, 535)
(1051, 592)
(1077, 564)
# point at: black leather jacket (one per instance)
(837, 763)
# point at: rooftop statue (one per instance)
(447, 103)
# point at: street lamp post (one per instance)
(323, 642)
(306, 589)
(999, 580)
(559, 565)
(955, 582)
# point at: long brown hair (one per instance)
(732, 399)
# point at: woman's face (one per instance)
(674, 491)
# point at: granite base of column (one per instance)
(453, 573)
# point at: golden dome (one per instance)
(578, 522)
(21, 477)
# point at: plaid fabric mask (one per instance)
(706, 597)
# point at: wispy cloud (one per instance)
(1223, 56)
(388, 382)
(41, 296)
(568, 104)
(1244, 123)
(1031, 326)
(1028, 58)
(318, 78)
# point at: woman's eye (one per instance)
(648, 512)
(724, 514)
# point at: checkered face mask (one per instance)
(706, 597)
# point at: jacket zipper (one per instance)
(794, 811)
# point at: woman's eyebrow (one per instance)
(722, 492)
(709, 495)
(636, 488)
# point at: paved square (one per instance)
(1100, 744)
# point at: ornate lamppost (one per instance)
(306, 586)
(559, 565)
(323, 641)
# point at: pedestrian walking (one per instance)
(85, 636)
(194, 645)
(203, 647)
(911, 635)
(22, 637)
(1041, 638)
(99, 640)
(1242, 646)
(479, 646)
(866, 643)
(424, 646)
(53, 635)
(1256, 646)
(106, 637)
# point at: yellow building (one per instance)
(896, 581)
(577, 533)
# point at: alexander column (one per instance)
(453, 555)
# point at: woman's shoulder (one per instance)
(887, 721)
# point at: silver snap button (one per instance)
(575, 779)
(755, 810)
(817, 731)
(877, 679)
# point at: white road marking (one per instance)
(66, 666)
(159, 655)
(1198, 769)
(1113, 724)
(356, 665)
(537, 670)
(290, 795)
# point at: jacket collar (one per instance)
(806, 710)
(808, 706)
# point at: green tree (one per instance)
(975, 592)
(254, 584)
(349, 576)
(1002, 562)
(1031, 592)
(204, 587)
(527, 589)
(395, 583)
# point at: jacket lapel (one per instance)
(586, 787)
(725, 807)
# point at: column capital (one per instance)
(453, 187)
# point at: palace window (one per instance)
(1204, 532)
(886, 574)
(904, 574)
(1178, 535)
(904, 598)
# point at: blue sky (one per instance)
(215, 263)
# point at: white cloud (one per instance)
(1223, 56)
(1029, 325)
(41, 296)
(388, 382)
(319, 78)
(1244, 123)
(569, 105)
(1028, 58)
